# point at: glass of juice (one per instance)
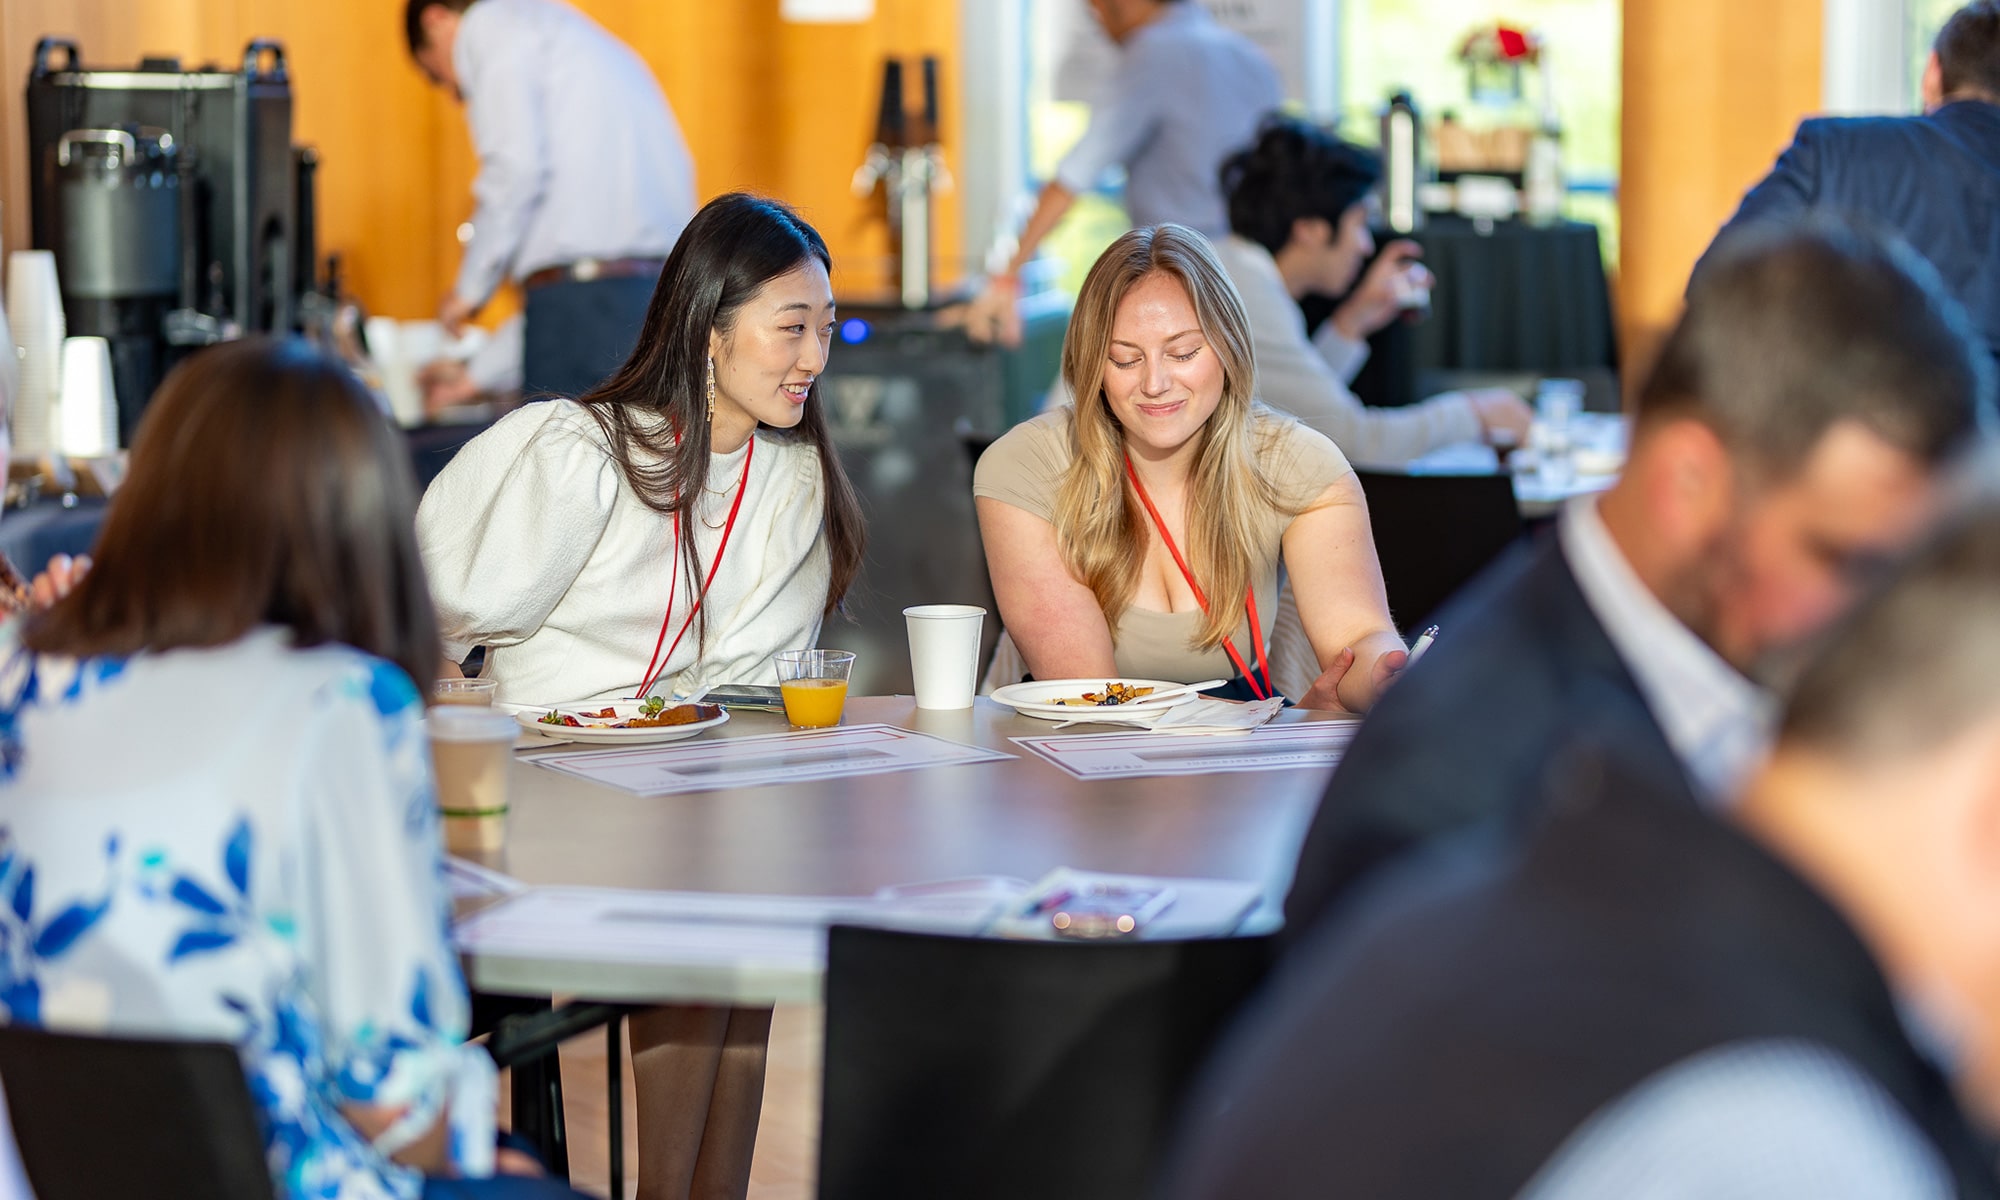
(814, 685)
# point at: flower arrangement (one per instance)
(1493, 56)
(1500, 45)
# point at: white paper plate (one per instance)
(531, 719)
(1036, 699)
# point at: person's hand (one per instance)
(1503, 417)
(62, 574)
(1383, 293)
(446, 382)
(454, 313)
(1325, 691)
(994, 315)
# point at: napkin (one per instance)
(1203, 714)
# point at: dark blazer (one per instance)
(1935, 180)
(1521, 668)
(1477, 1004)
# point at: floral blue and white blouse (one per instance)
(241, 843)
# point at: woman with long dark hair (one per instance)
(258, 860)
(684, 522)
(669, 531)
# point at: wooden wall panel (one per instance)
(765, 105)
(1713, 91)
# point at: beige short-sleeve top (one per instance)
(1025, 468)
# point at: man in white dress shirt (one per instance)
(584, 181)
(1185, 92)
(1299, 210)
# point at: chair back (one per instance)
(984, 1068)
(109, 1118)
(1433, 533)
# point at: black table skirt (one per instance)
(1519, 298)
(31, 536)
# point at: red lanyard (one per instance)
(657, 664)
(1260, 690)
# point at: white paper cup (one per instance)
(944, 652)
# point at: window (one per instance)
(1392, 45)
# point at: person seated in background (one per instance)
(274, 881)
(1139, 531)
(1933, 179)
(1641, 1000)
(1785, 441)
(1300, 202)
(671, 530)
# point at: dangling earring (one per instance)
(711, 387)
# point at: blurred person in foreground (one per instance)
(1300, 203)
(1784, 445)
(1185, 92)
(1934, 179)
(1639, 1000)
(275, 881)
(584, 180)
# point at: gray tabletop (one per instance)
(1021, 818)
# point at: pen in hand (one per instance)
(1422, 644)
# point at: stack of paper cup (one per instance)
(944, 652)
(89, 408)
(36, 314)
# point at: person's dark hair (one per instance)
(1968, 51)
(1794, 327)
(1295, 170)
(735, 245)
(1917, 662)
(266, 488)
(413, 18)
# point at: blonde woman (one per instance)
(1140, 531)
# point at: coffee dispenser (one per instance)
(171, 196)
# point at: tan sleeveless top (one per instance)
(1025, 469)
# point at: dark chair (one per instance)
(102, 1118)
(982, 1068)
(1433, 533)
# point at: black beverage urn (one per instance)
(172, 198)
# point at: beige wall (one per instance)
(1713, 90)
(766, 105)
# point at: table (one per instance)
(1538, 497)
(850, 837)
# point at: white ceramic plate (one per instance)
(531, 719)
(1037, 699)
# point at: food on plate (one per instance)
(1113, 693)
(653, 713)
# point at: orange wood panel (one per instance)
(1713, 90)
(765, 105)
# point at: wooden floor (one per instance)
(787, 1139)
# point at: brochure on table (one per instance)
(1309, 744)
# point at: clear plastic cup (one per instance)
(472, 751)
(814, 686)
(944, 653)
(476, 693)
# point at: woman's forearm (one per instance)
(1362, 685)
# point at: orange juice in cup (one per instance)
(814, 686)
